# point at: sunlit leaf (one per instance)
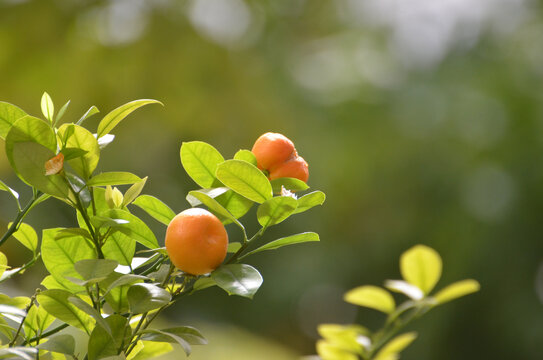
(396, 345)
(25, 353)
(26, 236)
(56, 303)
(276, 210)
(289, 240)
(83, 140)
(113, 178)
(238, 279)
(152, 349)
(113, 118)
(331, 351)
(290, 184)
(30, 143)
(456, 290)
(421, 266)
(246, 155)
(200, 160)
(155, 207)
(3, 263)
(371, 297)
(91, 269)
(47, 107)
(310, 200)
(9, 114)
(133, 192)
(213, 206)
(135, 228)
(245, 179)
(119, 247)
(59, 256)
(92, 110)
(62, 111)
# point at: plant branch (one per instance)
(20, 216)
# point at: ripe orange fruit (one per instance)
(196, 241)
(294, 168)
(272, 149)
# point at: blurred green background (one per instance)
(422, 121)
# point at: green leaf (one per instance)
(155, 207)
(59, 256)
(146, 297)
(9, 114)
(152, 349)
(290, 184)
(56, 303)
(88, 309)
(92, 269)
(62, 233)
(457, 290)
(233, 247)
(236, 204)
(163, 336)
(72, 153)
(421, 266)
(30, 143)
(123, 279)
(83, 140)
(114, 198)
(135, 228)
(62, 111)
(113, 178)
(331, 351)
(105, 222)
(213, 206)
(116, 296)
(112, 119)
(200, 160)
(238, 279)
(133, 192)
(101, 345)
(119, 247)
(245, 179)
(187, 333)
(343, 336)
(310, 200)
(371, 297)
(203, 283)
(396, 345)
(289, 240)
(36, 321)
(26, 353)
(26, 236)
(20, 302)
(4, 187)
(275, 210)
(92, 110)
(12, 310)
(246, 155)
(47, 107)
(3, 263)
(63, 344)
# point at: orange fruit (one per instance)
(196, 241)
(272, 149)
(294, 168)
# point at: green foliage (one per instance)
(421, 269)
(93, 270)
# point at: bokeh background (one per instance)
(422, 120)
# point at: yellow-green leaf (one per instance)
(371, 297)
(456, 290)
(421, 266)
(395, 346)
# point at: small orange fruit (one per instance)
(272, 149)
(196, 241)
(294, 168)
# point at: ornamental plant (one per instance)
(109, 277)
(421, 268)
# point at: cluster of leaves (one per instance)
(421, 270)
(98, 283)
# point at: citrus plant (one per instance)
(109, 278)
(421, 270)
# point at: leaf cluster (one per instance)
(108, 277)
(421, 268)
